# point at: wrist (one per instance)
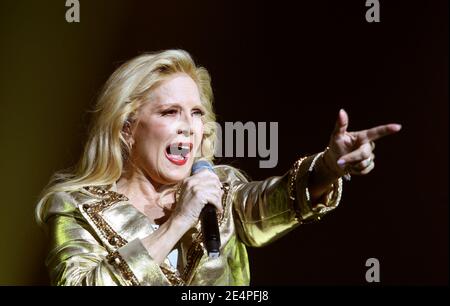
(180, 223)
(329, 165)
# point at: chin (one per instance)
(178, 174)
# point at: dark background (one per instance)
(295, 63)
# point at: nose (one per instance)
(185, 127)
(185, 131)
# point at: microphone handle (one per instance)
(210, 230)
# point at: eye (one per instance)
(169, 112)
(198, 112)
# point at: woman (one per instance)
(128, 213)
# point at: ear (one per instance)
(127, 132)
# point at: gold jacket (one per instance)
(95, 232)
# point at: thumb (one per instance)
(341, 123)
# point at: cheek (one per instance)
(157, 130)
(199, 129)
(198, 125)
(153, 134)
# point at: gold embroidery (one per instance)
(94, 210)
(293, 178)
(194, 253)
(173, 277)
(333, 195)
(117, 261)
(114, 239)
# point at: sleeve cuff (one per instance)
(306, 211)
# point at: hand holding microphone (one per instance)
(208, 218)
(200, 199)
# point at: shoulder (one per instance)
(58, 203)
(66, 203)
(229, 174)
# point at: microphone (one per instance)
(208, 218)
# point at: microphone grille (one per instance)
(201, 164)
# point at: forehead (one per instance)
(179, 88)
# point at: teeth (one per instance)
(179, 149)
(176, 157)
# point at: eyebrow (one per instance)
(176, 104)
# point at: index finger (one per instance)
(378, 132)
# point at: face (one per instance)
(168, 131)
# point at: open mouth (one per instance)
(178, 152)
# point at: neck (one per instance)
(146, 194)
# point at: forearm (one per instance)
(263, 210)
(161, 242)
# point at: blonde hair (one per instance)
(102, 161)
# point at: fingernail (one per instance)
(341, 163)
